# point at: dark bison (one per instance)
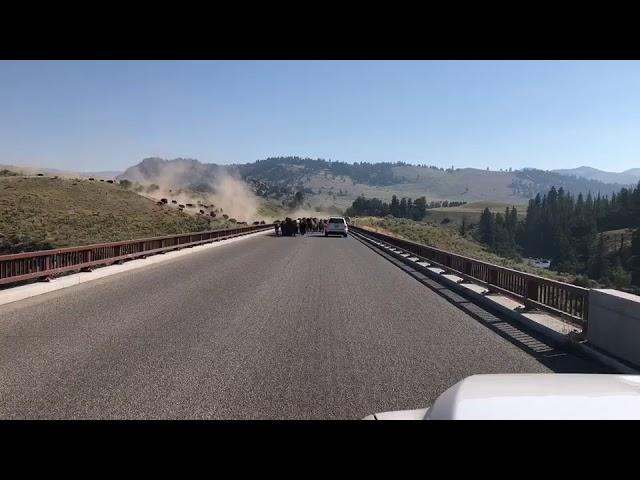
(289, 227)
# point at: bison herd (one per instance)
(213, 213)
(290, 227)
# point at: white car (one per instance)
(540, 262)
(572, 396)
(336, 226)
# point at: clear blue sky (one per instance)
(109, 115)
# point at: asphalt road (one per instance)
(305, 327)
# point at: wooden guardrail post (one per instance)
(493, 276)
(468, 267)
(532, 289)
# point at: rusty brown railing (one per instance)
(563, 299)
(45, 263)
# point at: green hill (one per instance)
(45, 212)
(470, 212)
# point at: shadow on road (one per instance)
(321, 235)
(309, 235)
(557, 360)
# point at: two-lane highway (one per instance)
(267, 327)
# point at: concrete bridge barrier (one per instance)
(614, 323)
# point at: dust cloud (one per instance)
(235, 198)
(223, 192)
(229, 196)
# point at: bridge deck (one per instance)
(306, 327)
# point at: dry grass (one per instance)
(470, 212)
(45, 212)
(614, 239)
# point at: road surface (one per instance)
(305, 327)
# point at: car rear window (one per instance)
(336, 220)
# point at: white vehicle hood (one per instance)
(540, 396)
(537, 397)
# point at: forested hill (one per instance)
(436, 182)
(530, 182)
(293, 170)
(574, 233)
(340, 183)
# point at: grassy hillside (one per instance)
(449, 240)
(617, 239)
(271, 210)
(45, 212)
(347, 181)
(470, 212)
(332, 185)
(33, 171)
(339, 184)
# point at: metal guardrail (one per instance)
(563, 299)
(45, 263)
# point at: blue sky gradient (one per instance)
(108, 115)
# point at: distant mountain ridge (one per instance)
(339, 183)
(107, 174)
(631, 176)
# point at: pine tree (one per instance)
(513, 220)
(463, 226)
(599, 268)
(395, 206)
(486, 228)
(403, 208)
(420, 208)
